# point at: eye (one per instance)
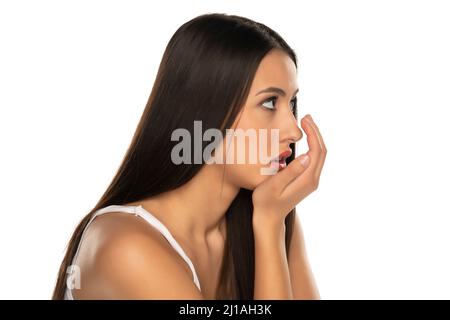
(293, 104)
(270, 103)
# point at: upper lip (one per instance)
(283, 155)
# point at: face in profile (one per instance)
(268, 109)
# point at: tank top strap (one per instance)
(152, 220)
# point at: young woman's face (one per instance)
(268, 106)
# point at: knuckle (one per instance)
(310, 188)
(315, 184)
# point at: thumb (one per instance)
(292, 171)
(304, 160)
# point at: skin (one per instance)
(196, 218)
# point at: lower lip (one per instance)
(279, 165)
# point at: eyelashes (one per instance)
(269, 103)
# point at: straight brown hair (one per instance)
(205, 74)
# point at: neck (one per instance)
(196, 210)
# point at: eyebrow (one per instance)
(275, 89)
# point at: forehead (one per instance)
(276, 69)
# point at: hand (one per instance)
(274, 198)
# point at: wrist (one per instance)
(268, 224)
(267, 219)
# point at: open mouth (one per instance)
(280, 161)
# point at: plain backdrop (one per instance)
(375, 75)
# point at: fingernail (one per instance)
(310, 118)
(304, 160)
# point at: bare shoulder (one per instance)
(124, 257)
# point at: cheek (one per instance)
(245, 175)
(248, 175)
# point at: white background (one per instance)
(375, 75)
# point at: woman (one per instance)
(210, 230)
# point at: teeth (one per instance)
(280, 162)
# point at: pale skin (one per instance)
(123, 257)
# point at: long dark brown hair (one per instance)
(205, 74)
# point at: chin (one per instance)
(249, 177)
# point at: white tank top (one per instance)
(141, 212)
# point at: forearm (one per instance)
(302, 279)
(272, 279)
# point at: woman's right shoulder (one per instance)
(124, 257)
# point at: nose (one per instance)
(292, 132)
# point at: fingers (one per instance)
(303, 176)
(309, 181)
(312, 138)
(293, 170)
(317, 149)
(323, 152)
